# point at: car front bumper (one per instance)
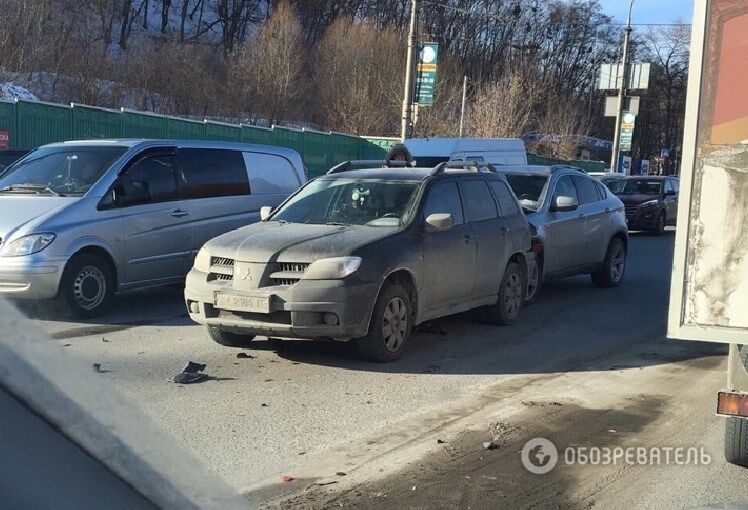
(296, 311)
(30, 278)
(643, 218)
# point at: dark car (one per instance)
(651, 201)
(10, 156)
(368, 254)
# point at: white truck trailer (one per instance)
(709, 290)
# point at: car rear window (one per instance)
(507, 202)
(214, 172)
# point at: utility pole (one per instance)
(464, 100)
(409, 67)
(621, 93)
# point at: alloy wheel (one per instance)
(618, 263)
(513, 294)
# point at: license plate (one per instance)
(243, 303)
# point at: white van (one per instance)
(497, 151)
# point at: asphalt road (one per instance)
(580, 363)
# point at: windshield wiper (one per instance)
(32, 187)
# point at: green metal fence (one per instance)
(30, 124)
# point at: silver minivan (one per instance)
(82, 220)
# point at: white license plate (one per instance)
(242, 303)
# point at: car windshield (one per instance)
(349, 202)
(636, 187)
(429, 161)
(59, 170)
(528, 188)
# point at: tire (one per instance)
(534, 284)
(659, 227)
(390, 326)
(736, 441)
(511, 297)
(86, 286)
(228, 339)
(614, 265)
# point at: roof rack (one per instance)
(347, 166)
(471, 166)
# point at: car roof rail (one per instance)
(470, 166)
(567, 167)
(347, 166)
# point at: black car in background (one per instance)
(651, 201)
(10, 156)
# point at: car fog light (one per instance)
(331, 319)
(194, 307)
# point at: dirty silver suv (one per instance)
(367, 254)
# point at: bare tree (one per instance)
(506, 108)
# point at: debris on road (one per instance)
(244, 355)
(96, 367)
(440, 441)
(104, 339)
(491, 445)
(287, 478)
(320, 484)
(341, 473)
(191, 373)
(431, 369)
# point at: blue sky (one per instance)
(650, 11)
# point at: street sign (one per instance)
(630, 104)
(611, 76)
(627, 131)
(428, 62)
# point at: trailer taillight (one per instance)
(732, 404)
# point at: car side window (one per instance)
(269, 173)
(150, 180)
(565, 187)
(507, 202)
(479, 202)
(586, 190)
(442, 198)
(676, 185)
(214, 173)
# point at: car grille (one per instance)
(631, 210)
(221, 269)
(288, 273)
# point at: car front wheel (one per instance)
(390, 326)
(87, 285)
(228, 339)
(659, 227)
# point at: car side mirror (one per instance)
(669, 193)
(265, 212)
(439, 222)
(131, 193)
(563, 203)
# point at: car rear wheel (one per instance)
(614, 265)
(511, 297)
(534, 283)
(229, 339)
(390, 326)
(87, 285)
(659, 227)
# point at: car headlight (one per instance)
(332, 269)
(27, 245)
(649, 203)
(202, 261)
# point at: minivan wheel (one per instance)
(87, 285)
(511, 297)
(390, 326)
(614, 265)
(228, 339)
(659, 227)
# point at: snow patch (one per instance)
(10, 91)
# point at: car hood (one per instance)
(293, 242)
(637, 199)
(19, 210)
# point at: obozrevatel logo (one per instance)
(539, 456)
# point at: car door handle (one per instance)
(468, 237)
(179, 213)
(504, 230)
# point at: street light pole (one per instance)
(464, 100)
(621, 94)
(408, 95)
